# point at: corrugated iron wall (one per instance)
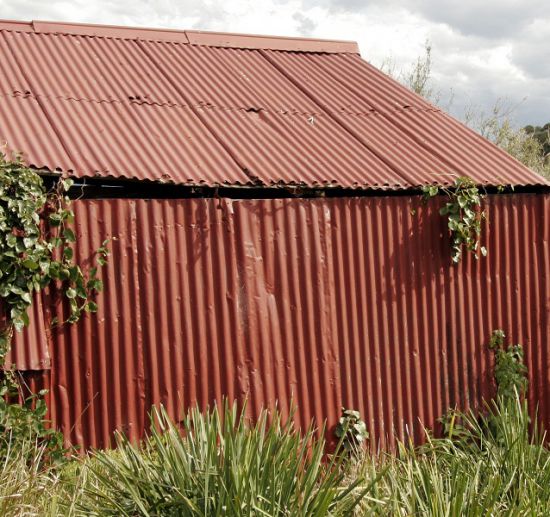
(332, 302)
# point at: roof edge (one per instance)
(193, 37)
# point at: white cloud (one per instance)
(482, 50)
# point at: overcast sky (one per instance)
(483, 50)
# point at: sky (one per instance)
(483, 51)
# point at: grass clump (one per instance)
(495, 464)
(29, 485)
(217, 463)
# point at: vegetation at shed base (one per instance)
(510, 371)
(493, 462)
(503, 472)
(35, 251)
(242, 470)
(464, 215)
(29, 484)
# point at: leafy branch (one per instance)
(464, 215)
(36, 245)
(36, 250)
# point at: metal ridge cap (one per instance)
(89, 29)
(110, 31)
(257, 41)
(14, 25)
(194, 37)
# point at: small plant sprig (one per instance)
(510, 370)
(464, 215)
(351, 430)
(510, 375)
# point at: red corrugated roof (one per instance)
(192, 107)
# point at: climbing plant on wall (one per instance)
(464, 215)
(36, 251)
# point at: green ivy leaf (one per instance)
(30, 264)
(55, 219)
(67, 184)
(68, 254)
(69, 235)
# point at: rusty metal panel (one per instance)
(140, 142)
(144, 104)
(330, 302)
(84, 68)
(402, 153)
(192, 312)
(346, 84)
(467, 152)
(222, 78)
(12, 81)
(25, 129)
(272, 146)
(355, 86)
(31, 347)
(311, 78)
(97, 376)
(365, 81)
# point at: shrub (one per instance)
(21, 424)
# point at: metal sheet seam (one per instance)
(216, 106)
(325, 110)
(339, 121)
(197, 113)
(41, 104)
(104, 101)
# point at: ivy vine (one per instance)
(36, 245)
(36, 250)
(464, 215)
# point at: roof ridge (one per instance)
(191, 37)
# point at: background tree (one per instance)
(529, 145)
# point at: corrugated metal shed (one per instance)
(342, 301)
(196, 108)
(332, 302)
